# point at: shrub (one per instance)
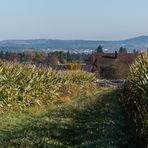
(117, 70)
(73, 66)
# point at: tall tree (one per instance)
(1, 55)
(135, 51)
(99, 49)
(122, 50)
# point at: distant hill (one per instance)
(38, 44)
(143, 40)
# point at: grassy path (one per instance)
(88, 122)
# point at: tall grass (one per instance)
(23, 86)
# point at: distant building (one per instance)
(108, 58)
(102, 63)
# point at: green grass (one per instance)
(97, 121)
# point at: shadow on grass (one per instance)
(93, 122)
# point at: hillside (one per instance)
(17, 45)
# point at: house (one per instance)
(107, 64)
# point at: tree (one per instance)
(136, 52)
(7, 55)
(99, 49)
(1, 55)
(122, 50)
(68, 56)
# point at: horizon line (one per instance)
(21, 39)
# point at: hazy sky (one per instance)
(73, 19)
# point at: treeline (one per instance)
(38, 57)
(23, 56)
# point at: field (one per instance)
(25, 86)
(40, 107)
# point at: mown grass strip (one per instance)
(90, 122)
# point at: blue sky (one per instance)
(73, 19)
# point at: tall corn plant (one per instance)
(138, 82)
(24, 86)
(136, 95)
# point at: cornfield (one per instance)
(23, 86)
(138, 79)
(135, 97)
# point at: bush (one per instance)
(73, 66)
(116, 70)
